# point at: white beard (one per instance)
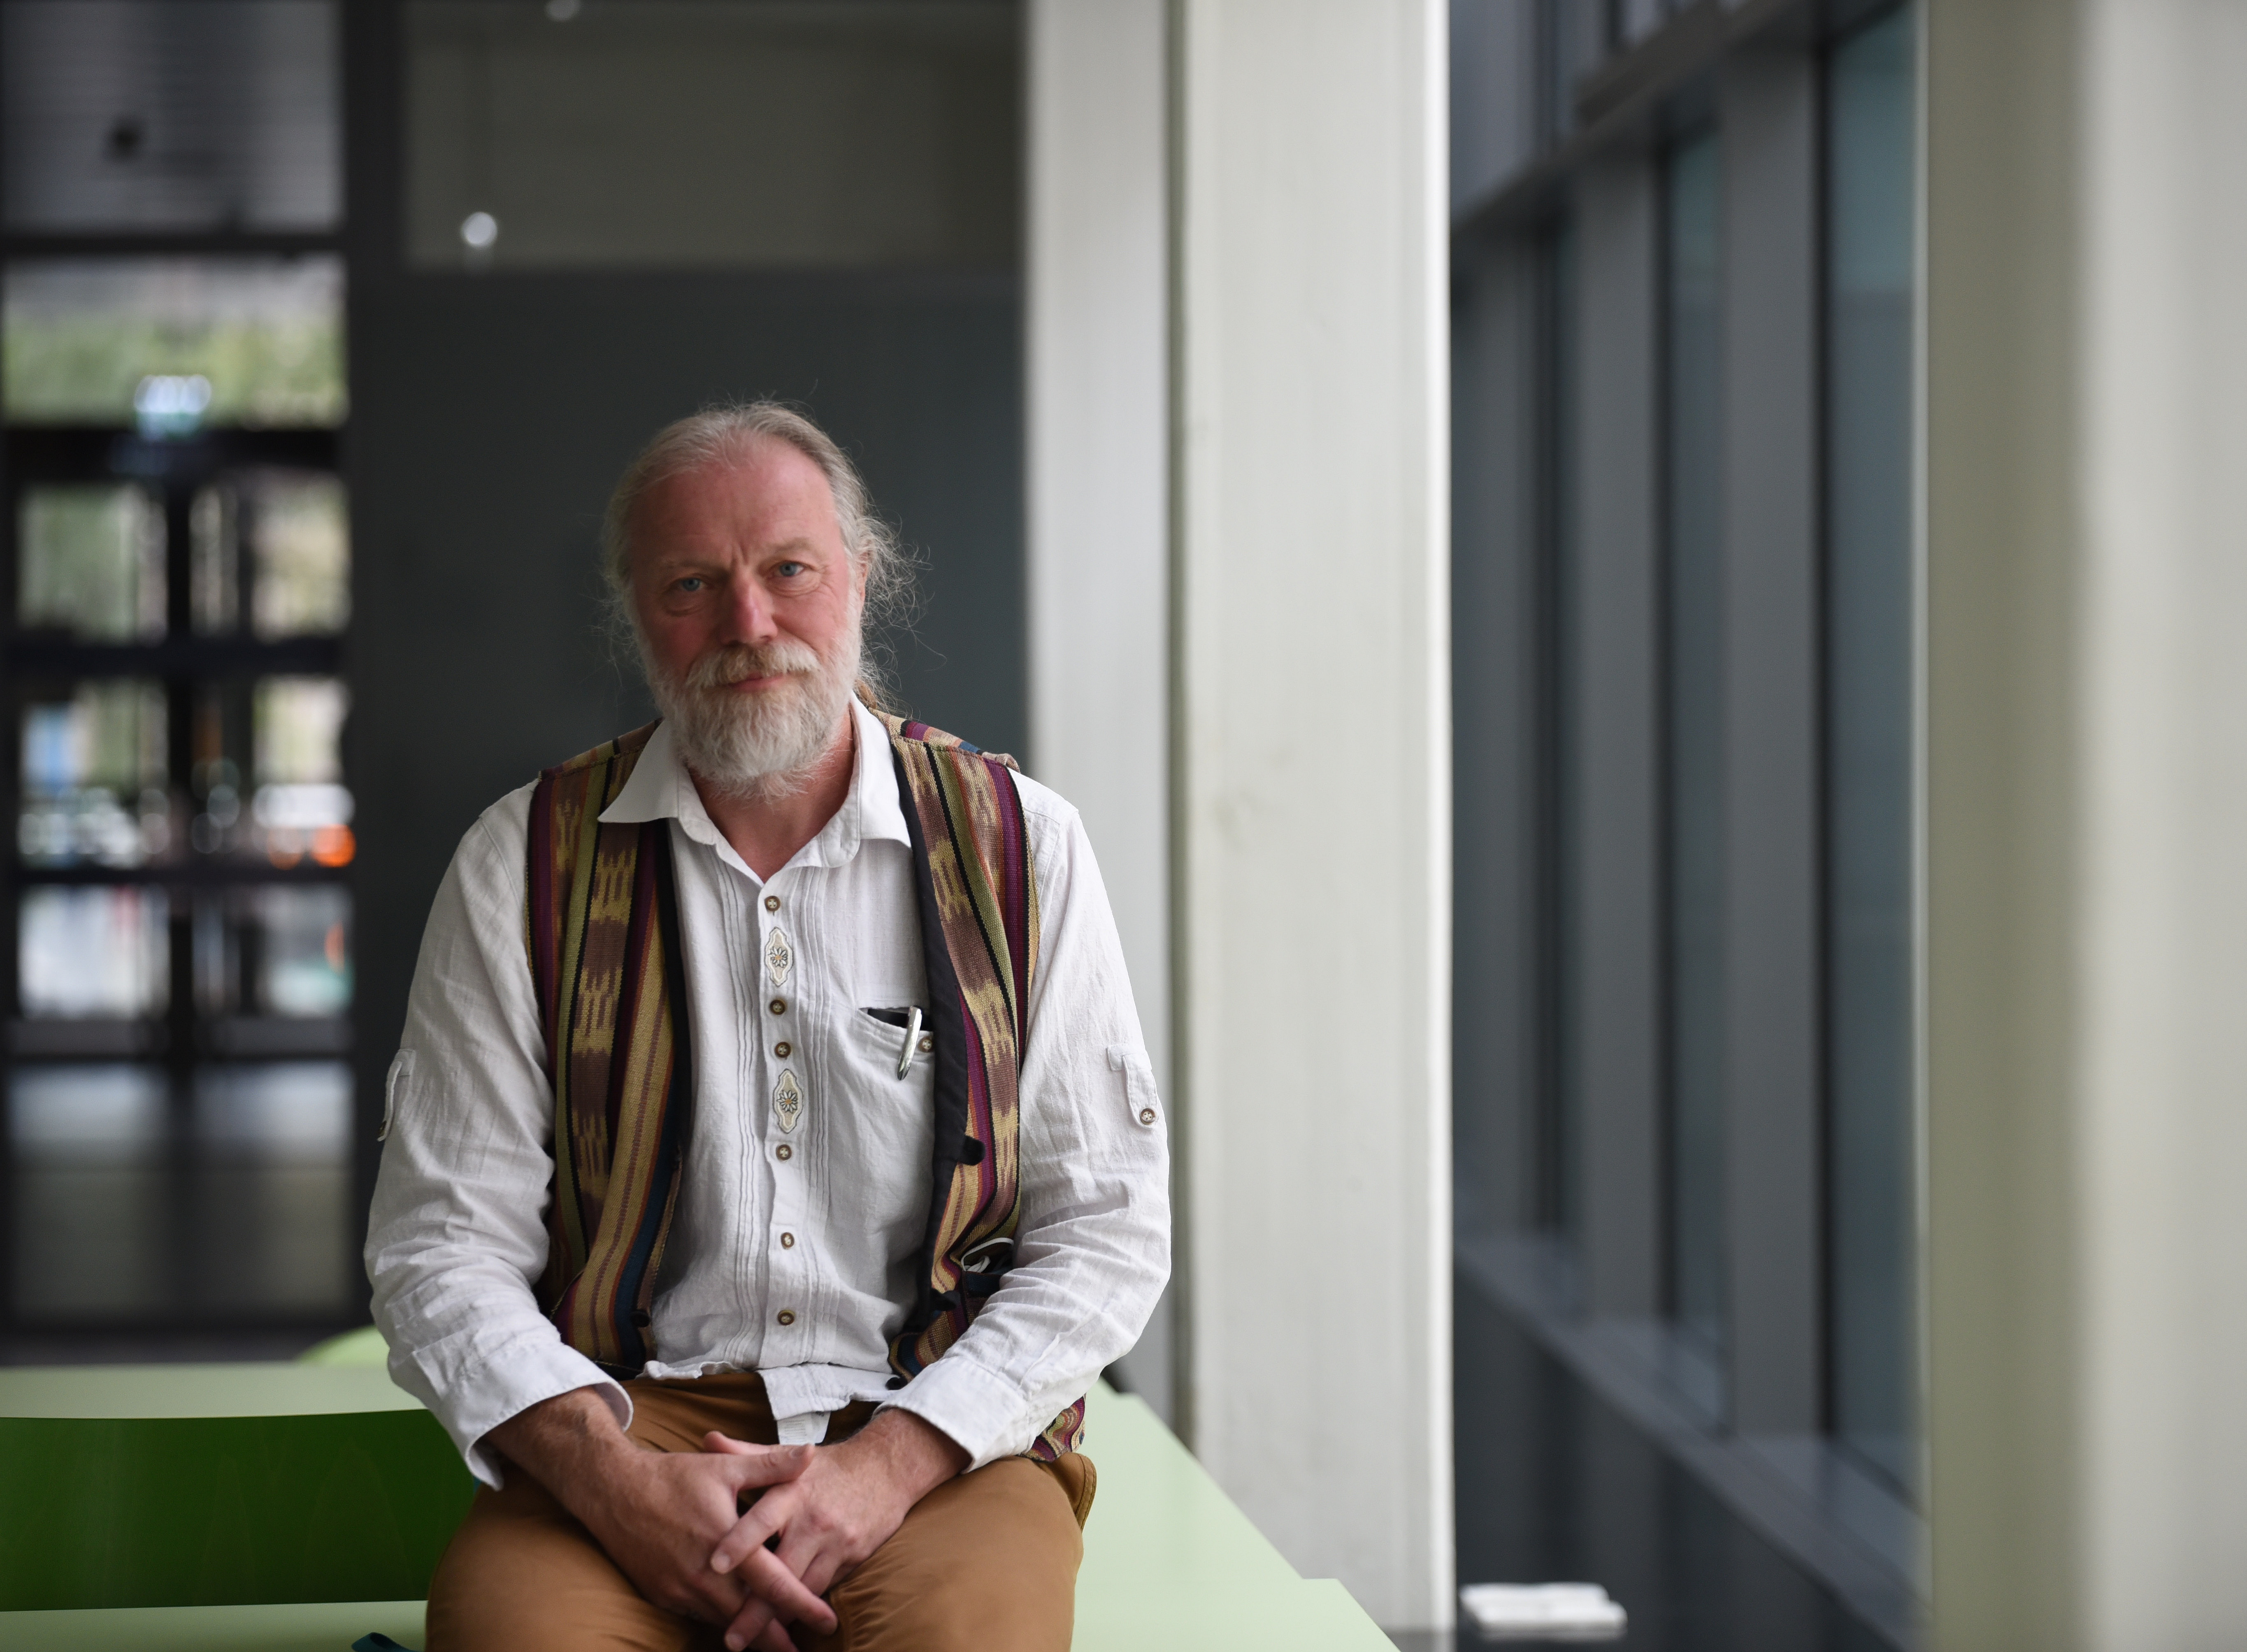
(764, 745)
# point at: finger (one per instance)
(762, 1464)
(769, 1580)
(749, 1625)
(775, 1639)
(765, 1517)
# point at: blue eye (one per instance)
(790, 569)
(690, 584)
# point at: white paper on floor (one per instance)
(1543, 1612)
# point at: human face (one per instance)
(748, 606)
(746, 554)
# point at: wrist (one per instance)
(571, 1443)
(913, 1455)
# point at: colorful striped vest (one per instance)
(602, 932)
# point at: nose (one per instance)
(749, 614)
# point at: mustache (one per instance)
(735, 662)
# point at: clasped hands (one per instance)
(673, 1521)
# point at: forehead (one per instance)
(767, 493)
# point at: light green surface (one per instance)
(364, 1346)
(180, 1391)
(1169, 1562)
(329, 1627)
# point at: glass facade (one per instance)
(1692, 675)
(1557, 1194)
(1869, 584)
(176, 530)
(1688, 511)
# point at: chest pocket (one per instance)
(881, 1125)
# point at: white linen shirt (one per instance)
(799, 1266)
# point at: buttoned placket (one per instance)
(788, 1102)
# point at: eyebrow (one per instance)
(796, 547)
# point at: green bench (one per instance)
(296, 1508)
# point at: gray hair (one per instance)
(720, 435)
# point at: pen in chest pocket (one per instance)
(912, 1042)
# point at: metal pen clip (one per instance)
(912, 1042)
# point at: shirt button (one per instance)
(772, 902)
(787, 1316)
(927, 1042)
(784, 1151)
(782, 1048)
(778, 1007)
(1146, 1115)
(788, 1241)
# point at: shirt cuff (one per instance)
(475, 1406)
(980, 1411)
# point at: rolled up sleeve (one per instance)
(1092, 1251)
(457, 1237)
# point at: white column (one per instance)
(1313, 772)
(2087, 811)
(1098, 463)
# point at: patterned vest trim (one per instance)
(602, 929)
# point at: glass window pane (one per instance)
(1558, 1196)
(170, 114)
(276, 1110)
(300, 722)
(170, 344)
(277, 542)
(269, 1195)
(1868, 704)
(300, 549)
(91, 1222)
(90, 563)
(303, 938)
(300, 809)
(93, 951)
(94, 777)
(1694, 647)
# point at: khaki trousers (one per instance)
(983, 1563)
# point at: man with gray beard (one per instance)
(772, 1161)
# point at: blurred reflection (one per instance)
(300, 809)
(306, 968)
(90, 563)
(90, 1218)
(272, 548)
(93, 951)
(116, 1214)
(82, 337)
(94, 777)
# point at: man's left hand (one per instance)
(839, 1510)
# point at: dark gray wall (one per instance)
(490, 415)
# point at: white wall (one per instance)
(1098, 464)
(2163, 1083)
(1314, 1033)
(2087, 362)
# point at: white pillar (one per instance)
(1098, 418)
(1312, 692)
(2086, 367)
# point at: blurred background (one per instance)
(326, 330)
(1639, 597)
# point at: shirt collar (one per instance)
(660, 789)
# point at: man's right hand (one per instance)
(659, 1514)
